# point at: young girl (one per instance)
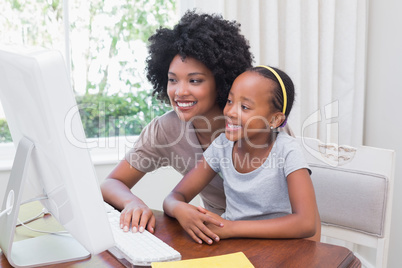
(269, 193)
(191, 66)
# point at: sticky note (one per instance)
(238, 260)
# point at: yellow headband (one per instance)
(285, 98)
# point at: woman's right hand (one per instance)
(116, 191)
(193, 222)
(139, 215)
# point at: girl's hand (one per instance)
(222, 231)
(194, 223)
(139, 216)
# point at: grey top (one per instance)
(169, 141)
(263, 192)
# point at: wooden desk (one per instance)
(261, 252)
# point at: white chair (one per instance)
(354, 188)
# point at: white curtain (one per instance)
(321, 44)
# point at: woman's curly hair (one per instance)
(208, 38)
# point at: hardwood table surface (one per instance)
(261, 252)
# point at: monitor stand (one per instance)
(41, 250)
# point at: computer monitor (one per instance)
(51, 161)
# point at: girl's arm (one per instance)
(304, 221)
(116, 191)
(176, 203)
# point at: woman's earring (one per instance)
(272, 127)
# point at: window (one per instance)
(104, 44)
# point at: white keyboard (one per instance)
(138, 248)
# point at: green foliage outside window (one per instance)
(118, 115)
(5, 135)
(106, 116)
(108, 47)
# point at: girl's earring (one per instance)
(272, 127)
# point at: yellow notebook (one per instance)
(238, 260)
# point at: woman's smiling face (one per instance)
(191, 88)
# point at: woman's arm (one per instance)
(302, 223)
(116, 191)
(176, 203)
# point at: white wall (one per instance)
(383, 125)
(153, 187)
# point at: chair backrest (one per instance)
(354, 188)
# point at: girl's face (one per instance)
(191, 88)
(248, 110)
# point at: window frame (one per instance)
(103, 150)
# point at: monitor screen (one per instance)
(41, 111)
